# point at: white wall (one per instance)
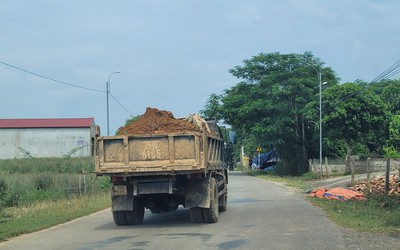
(45, 142)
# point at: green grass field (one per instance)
(39, 193)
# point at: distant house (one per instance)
(56, 137)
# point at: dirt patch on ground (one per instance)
(155, 121)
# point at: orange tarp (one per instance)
(338, 193)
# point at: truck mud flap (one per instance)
(197, 194)
(122, 203)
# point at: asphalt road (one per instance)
(260, 215)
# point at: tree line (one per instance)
(275, 105)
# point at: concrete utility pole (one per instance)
(107, 93)
(320, 116)
(320, 122)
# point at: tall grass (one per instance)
(40, 165)
(26, 181)
(36, 193)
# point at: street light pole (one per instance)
(320, 121)
(107, 93)
(320, 116)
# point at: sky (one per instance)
(173, 54)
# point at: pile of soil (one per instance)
(155, 121)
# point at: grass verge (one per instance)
(378, 214)
(21, 220)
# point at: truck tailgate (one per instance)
(149, 153)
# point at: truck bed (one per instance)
(177, 153)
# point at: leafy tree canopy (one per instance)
(390, 95)
(269, 104)
(354, 114)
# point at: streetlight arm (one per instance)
(107, 93)
(115, 72)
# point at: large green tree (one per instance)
(355, 115)
(392, 148)
(269, 104)
(390, 95)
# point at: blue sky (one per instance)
(174, 53)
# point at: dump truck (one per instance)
(160, 171)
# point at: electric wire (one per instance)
(388, 73)
(120, 104)
(50, 79)
(62, 82)
(395, 72)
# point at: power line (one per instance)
(388, 73)
(394, 72)
(50, 79)
(120, 104)
(62, 82)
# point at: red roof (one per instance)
(47, 123)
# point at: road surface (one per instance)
(260, 215)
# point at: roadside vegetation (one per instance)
(40, 193)
(377, 214)
(275, 106)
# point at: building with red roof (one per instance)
(47, 137)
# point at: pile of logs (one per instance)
(377, 186)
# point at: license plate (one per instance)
(120, 190)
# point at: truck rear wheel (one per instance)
(223, 202)
(211, 214)
(135, 217)
(196, 215)
(119, 218)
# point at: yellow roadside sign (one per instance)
(258, 149)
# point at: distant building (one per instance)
(57, 137)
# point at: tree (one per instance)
(132, 119)
(269, 104)
(390, 95)
(354, 114)
(212, 108)
(393, 143)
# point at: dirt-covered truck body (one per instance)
(164, 170)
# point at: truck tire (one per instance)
(223, 202)
(196, 215)
(211, 214)
(119, 218)
(135, 217)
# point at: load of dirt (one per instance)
(155, 121)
